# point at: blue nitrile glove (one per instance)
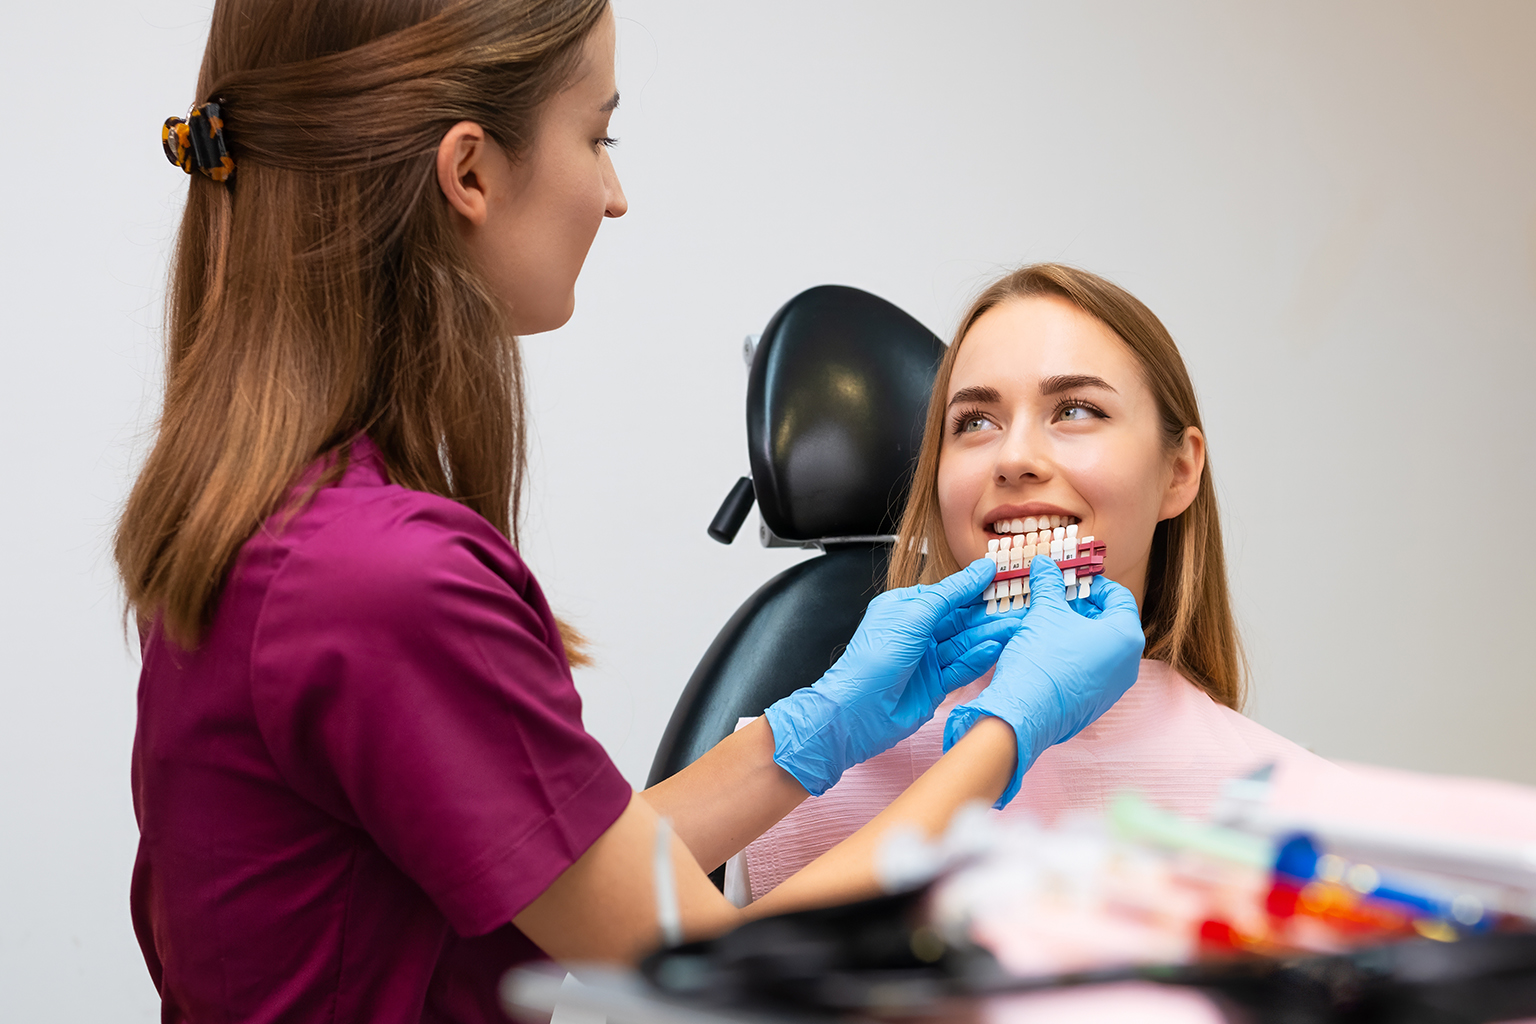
(914, 645)
(1065, 667)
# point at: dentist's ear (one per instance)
(1186, 464)
(463, 158)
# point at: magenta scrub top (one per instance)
(372, 762)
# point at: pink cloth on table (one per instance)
(1406, 802)
(1144, 1002)
(1165, 738)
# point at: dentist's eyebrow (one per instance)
(976, 395)
(611, 105)
(1071, 382)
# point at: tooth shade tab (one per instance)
(1078, 558)
(992, 546)
(1072, 530)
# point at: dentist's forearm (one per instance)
(978, 767)
(728, 797)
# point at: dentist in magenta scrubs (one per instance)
(360, 774)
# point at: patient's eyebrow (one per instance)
(976, 394)
(1071, 382)
(612, 104)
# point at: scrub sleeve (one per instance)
(371, 764)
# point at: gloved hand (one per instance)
(1065, 667)
(913, 646)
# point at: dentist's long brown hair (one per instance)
(324, 292)
(1187, 610)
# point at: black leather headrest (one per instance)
(835, 407)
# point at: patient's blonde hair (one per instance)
(1187, 610)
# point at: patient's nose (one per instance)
(1021, 458)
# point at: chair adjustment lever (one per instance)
(733, 511)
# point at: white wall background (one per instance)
(1332, 206)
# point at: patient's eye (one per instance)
(969, 421)
(1075, 410)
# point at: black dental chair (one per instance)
(835, 406)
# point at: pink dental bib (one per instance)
(1165, 739)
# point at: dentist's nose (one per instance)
(616, 204)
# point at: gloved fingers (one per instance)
(1109, 598)
(995, 628)
(970, 616)
(961, 588)
(969, 666)
(1046, 583)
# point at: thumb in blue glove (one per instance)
(1066, 666)
(913, 646)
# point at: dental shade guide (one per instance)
(1079, 558)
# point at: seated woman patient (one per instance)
(1064, 396)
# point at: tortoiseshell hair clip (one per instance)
(197, 143)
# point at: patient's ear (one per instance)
(1186, 463)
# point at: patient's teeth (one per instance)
(1018, 526)
(1030, 525)
(1055, 522)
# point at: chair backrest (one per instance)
(835, 407)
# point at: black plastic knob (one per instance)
(733, 511)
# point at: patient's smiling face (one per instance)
(1049, 414)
